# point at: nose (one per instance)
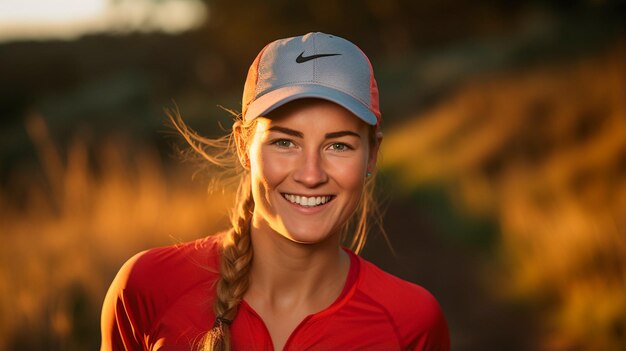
(310, 171)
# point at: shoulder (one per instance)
(414, 311)
(169, 263)
(399, 296)
(152, 280)
(172, 267)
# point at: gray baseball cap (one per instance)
(315, 65)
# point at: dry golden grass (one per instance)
(76, 226)
(544, 152)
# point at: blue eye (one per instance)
(339, 147)
(283, 143)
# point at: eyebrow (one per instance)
(298, 134)
(287, 131)
(341, 133)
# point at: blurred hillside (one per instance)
(504, 161)
(543, 153)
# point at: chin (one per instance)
(310, 236)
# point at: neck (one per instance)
(286, 274)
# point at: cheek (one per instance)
(267, 168)
(349, 173)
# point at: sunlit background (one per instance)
(69, 19)
(503, 167)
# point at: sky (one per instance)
(69, 19)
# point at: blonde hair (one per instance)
(226, 155)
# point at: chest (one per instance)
(340, 330)
(349, 329)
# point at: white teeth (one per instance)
(307, 201)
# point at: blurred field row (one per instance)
(65, 234)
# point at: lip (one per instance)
(307, 209)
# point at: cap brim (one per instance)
(276, 98)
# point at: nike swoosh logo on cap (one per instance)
(302, 59)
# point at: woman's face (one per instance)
(308, 163)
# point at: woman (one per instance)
(305, 146)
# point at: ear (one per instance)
(373, 156)
(240, 142)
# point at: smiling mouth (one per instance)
(308, 201)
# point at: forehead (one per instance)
(312, 115)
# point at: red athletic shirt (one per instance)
(161, 299)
